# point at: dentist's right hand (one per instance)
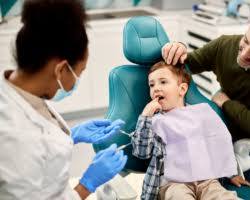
(174, 52)
(106, 164)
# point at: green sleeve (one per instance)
(204, 58)
(239, 114)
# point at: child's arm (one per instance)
(143, 138)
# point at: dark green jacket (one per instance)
(220, 56)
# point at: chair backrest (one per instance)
(143, 38)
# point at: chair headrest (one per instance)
(143, 38)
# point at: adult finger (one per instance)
(106, 136)
(165, 51)
(116, 123)
(118, 156)
(102, 122)
(246, 183)
(122, 164)
(171, 53)
(183, 58)
(110, 128)
(178, 55)
(98, 155)
(110, 151)
(96, 137)
(236, 181)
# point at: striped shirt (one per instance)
(147, 144)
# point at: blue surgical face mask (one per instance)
(62, 93)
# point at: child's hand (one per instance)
(152, 107)
(238, 181)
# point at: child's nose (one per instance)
(157, 89)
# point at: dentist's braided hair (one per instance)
(51, 29)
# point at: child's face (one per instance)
(164, 85)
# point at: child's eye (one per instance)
(163, 82)
(151, 85)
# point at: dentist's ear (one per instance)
(60, 66)
(183, 88)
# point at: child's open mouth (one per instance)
(160, 98)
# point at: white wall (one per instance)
(161, 4)
(105, 48)
(175, 4)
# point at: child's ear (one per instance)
(183, 88)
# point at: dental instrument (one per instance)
(123, 146)
(125, 133)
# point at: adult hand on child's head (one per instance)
(238, 181)
(152, 107)
(174, 52)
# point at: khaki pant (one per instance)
(201, 190)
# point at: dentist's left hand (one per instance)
(95, 131)
(106, 164)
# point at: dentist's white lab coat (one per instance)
(35, 154)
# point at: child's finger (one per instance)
(156, 99)
(157, 110)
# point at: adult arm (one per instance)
(22, 172)
(199, 60)
(82, 191)
(239, 114)
(234, 110)
(204, 58)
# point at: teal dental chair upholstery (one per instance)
(143, 38)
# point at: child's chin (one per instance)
(167, 108)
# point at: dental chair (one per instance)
(143, 38)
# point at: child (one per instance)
(189, 146)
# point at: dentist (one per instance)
(51, 51)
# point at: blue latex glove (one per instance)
(95, 131)
(106, 164)
(232, 8)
